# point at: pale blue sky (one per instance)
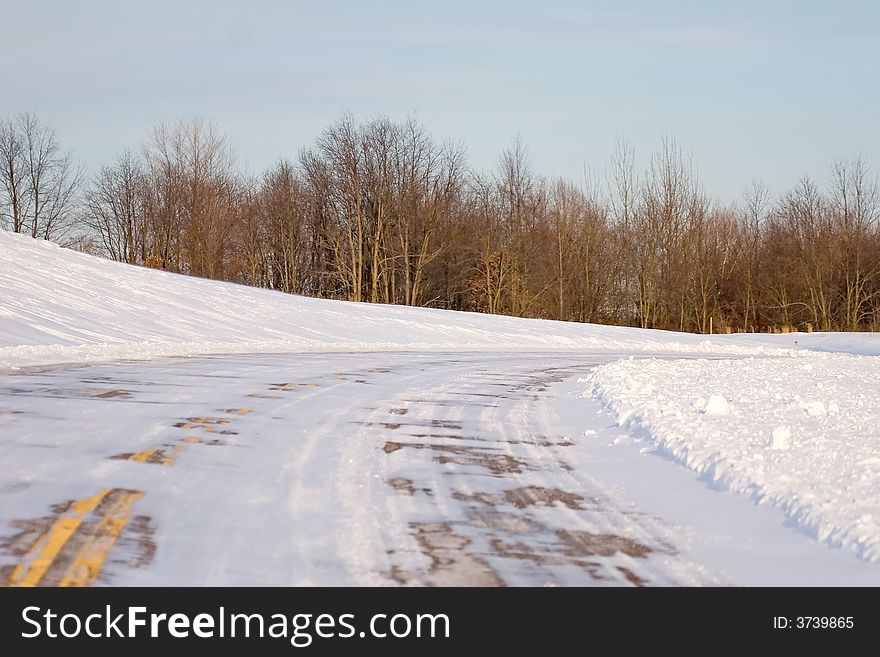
(752, 89)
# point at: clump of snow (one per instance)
(814, 408)
(717, 405)
(780, 438)
(815, 458)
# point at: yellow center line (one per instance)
(87, 564)
(40, 557)
(143, 456)
(156, 455)
(208, 420)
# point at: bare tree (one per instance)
(39, 180)
(586, 264)
(334, 169)
(752, 217)
(806, 216)
(284, 213)
(624, 200)
(427, 181)
(193, 196)
(670, 200)
(855, 201)
(115, 209)
(14, 204)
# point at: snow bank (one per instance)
(800, 433)
(59, 306)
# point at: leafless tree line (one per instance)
(380, 211)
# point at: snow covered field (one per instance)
(513, 451)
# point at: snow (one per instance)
(802, 436)
(59, 306)
(789, 421)
(780, 437)
(717, 405)
(303, 490)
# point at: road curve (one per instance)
(333, 469)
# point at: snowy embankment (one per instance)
(58, 306)
(800, 433)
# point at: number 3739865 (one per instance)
(814, 622)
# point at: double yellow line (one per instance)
(97, 540)
(84, 534)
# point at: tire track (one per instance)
(533, 523)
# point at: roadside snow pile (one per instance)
(59, 306)
(803, 434)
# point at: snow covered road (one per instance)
(353, 469)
